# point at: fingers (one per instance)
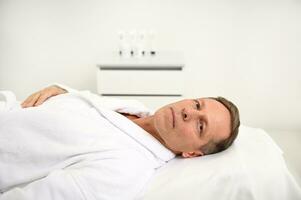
(31, 100)
(41, 99)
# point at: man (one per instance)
(99, 153)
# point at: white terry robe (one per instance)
(76, 146)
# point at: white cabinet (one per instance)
(155, 81)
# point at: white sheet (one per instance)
(253, 168)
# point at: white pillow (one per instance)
(252, 168)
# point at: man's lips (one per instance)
(173, 117)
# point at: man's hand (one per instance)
(39, 97)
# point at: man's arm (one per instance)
(131, 107)
(110, 176)
(58, 185)
(39, 97)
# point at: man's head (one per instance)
(195, 127)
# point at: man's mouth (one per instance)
(173, 117)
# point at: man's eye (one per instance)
(201, 127)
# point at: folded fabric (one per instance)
(8, 100)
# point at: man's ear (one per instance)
(192, 154)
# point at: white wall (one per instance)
(246, 50)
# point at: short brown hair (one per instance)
(215, 147)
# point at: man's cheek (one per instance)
(185, 132)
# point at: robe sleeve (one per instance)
(128, 106)
(59, 185)
(112, 177)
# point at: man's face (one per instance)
(185, 126)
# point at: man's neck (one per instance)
(147, 123)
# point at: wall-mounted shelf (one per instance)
(154, 80)
(164, 59)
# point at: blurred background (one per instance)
(246, 50)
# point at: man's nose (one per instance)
(188, 114)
